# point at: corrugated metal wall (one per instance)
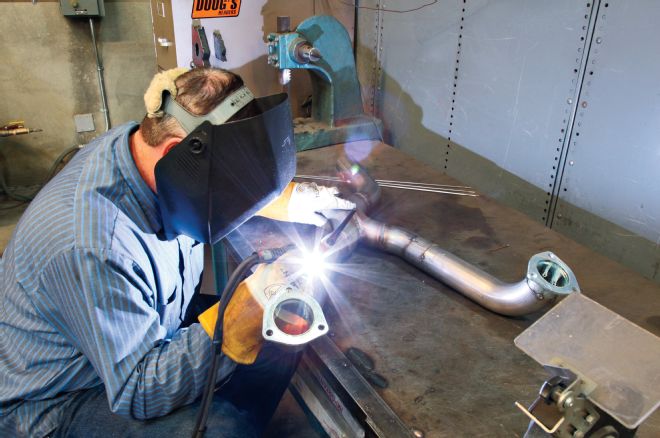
(551, 107)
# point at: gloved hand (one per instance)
(301, 202)
(242, 339)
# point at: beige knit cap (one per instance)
(163, 81)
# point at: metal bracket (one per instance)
(549, 276)
(219, 45)
(287, 309)
(574, 415)
(200, 46)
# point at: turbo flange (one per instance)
(293, 318)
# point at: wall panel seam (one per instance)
(557, 176)
(455, 82)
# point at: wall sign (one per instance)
(215, 8)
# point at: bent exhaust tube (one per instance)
(547, 277)
(358, 186)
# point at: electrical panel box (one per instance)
(82, 8)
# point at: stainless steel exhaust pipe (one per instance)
(358, 186)
(547, 276)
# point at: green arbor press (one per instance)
(321, 45)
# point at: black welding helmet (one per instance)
(221, 174)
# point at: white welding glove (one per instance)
(303, 202)
(309, 199)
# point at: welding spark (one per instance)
(313, 263)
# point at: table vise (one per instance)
(322, 45)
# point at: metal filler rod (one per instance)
(408, 185)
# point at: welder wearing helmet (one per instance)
(97, 333)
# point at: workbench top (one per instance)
(452, 366)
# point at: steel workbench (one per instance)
(452, 366)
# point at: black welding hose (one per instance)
(266, 256)
(227, 293)
(51, 173)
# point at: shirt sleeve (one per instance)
(101, 304)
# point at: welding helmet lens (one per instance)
(220, 175)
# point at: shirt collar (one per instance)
(145, 197)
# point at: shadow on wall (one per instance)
(261, 79)
(404, 129)
(402, 119)
(398, 126)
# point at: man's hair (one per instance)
(199, 91)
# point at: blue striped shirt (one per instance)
(91, 294)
